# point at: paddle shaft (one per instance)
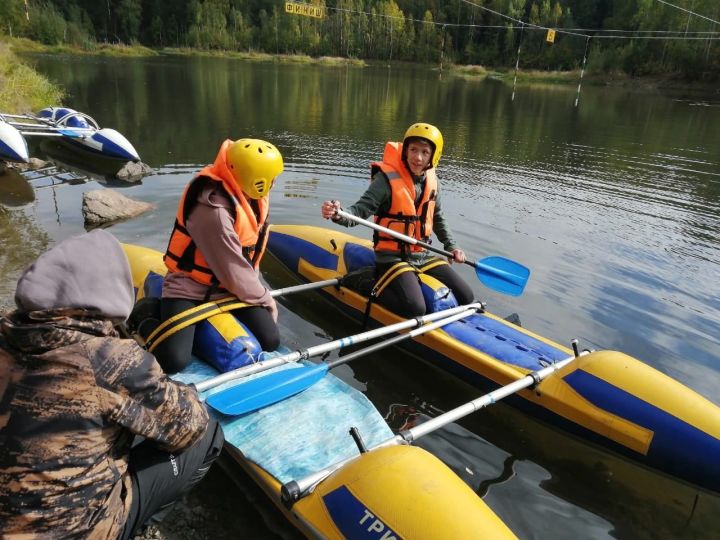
(511, 277)
(42, 133)
(424, 329)
(269, 389)
(48, 127)
(399, 236)
(448, 417)
(305, 287)
(327, 347)
(295, 489)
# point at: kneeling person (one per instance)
(73, 398)
(217, 243)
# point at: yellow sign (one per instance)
(550, 38)
(295, 8)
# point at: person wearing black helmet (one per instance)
(404, 196)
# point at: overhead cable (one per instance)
(688, 11)
(522, 23)
(599, 33)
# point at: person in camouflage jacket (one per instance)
(74, 397)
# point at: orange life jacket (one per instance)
(251, 225)
(403, 215)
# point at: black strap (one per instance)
(424, 213)
(368, 305)
(186, 262)
(212, 289)
(382, 283)
(189, 317)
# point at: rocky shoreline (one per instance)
(212, 510)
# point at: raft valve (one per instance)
(358, 439)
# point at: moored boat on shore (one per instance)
(74, 127)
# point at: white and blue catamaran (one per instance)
(77, 128)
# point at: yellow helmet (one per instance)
(254, 164)
(429, 133)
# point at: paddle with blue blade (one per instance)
(70, 133)
(497, 273)
(268, 389)
(316, 350)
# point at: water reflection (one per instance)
(69, 158)
(15, 190)
(22, 239)
(301, 189)
(615, 206)
(613, 498)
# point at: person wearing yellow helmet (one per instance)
(404, 195)
(217, 243)
(254, 165)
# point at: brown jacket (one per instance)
(73, 395)
(211, 225)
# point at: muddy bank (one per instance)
(224, 505)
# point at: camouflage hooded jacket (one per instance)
(73, 395)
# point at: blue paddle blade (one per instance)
(266, 390)
(503, 275)
(69, 133)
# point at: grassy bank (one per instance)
(469, 71)
(545, 77)
(128, 51)
(618, 79)
(523, 76)
(23, 45)
(22, 88)
(265, 57)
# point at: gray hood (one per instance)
(89, 271)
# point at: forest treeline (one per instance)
(429, 31)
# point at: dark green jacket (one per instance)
(376, 199)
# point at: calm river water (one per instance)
(615, 207)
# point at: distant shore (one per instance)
(524, 77)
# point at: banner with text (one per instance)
(295, 8)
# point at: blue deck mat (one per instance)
(302, 434)
(503, 342)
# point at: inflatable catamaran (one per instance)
(69, 125)
(340, 471)
(325, 455)
(605, 397)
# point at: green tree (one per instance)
(394, 23)
(12, 17)
(47, 24)
(428, 42)
(241, 33)
(209, 27)
(128, 13)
